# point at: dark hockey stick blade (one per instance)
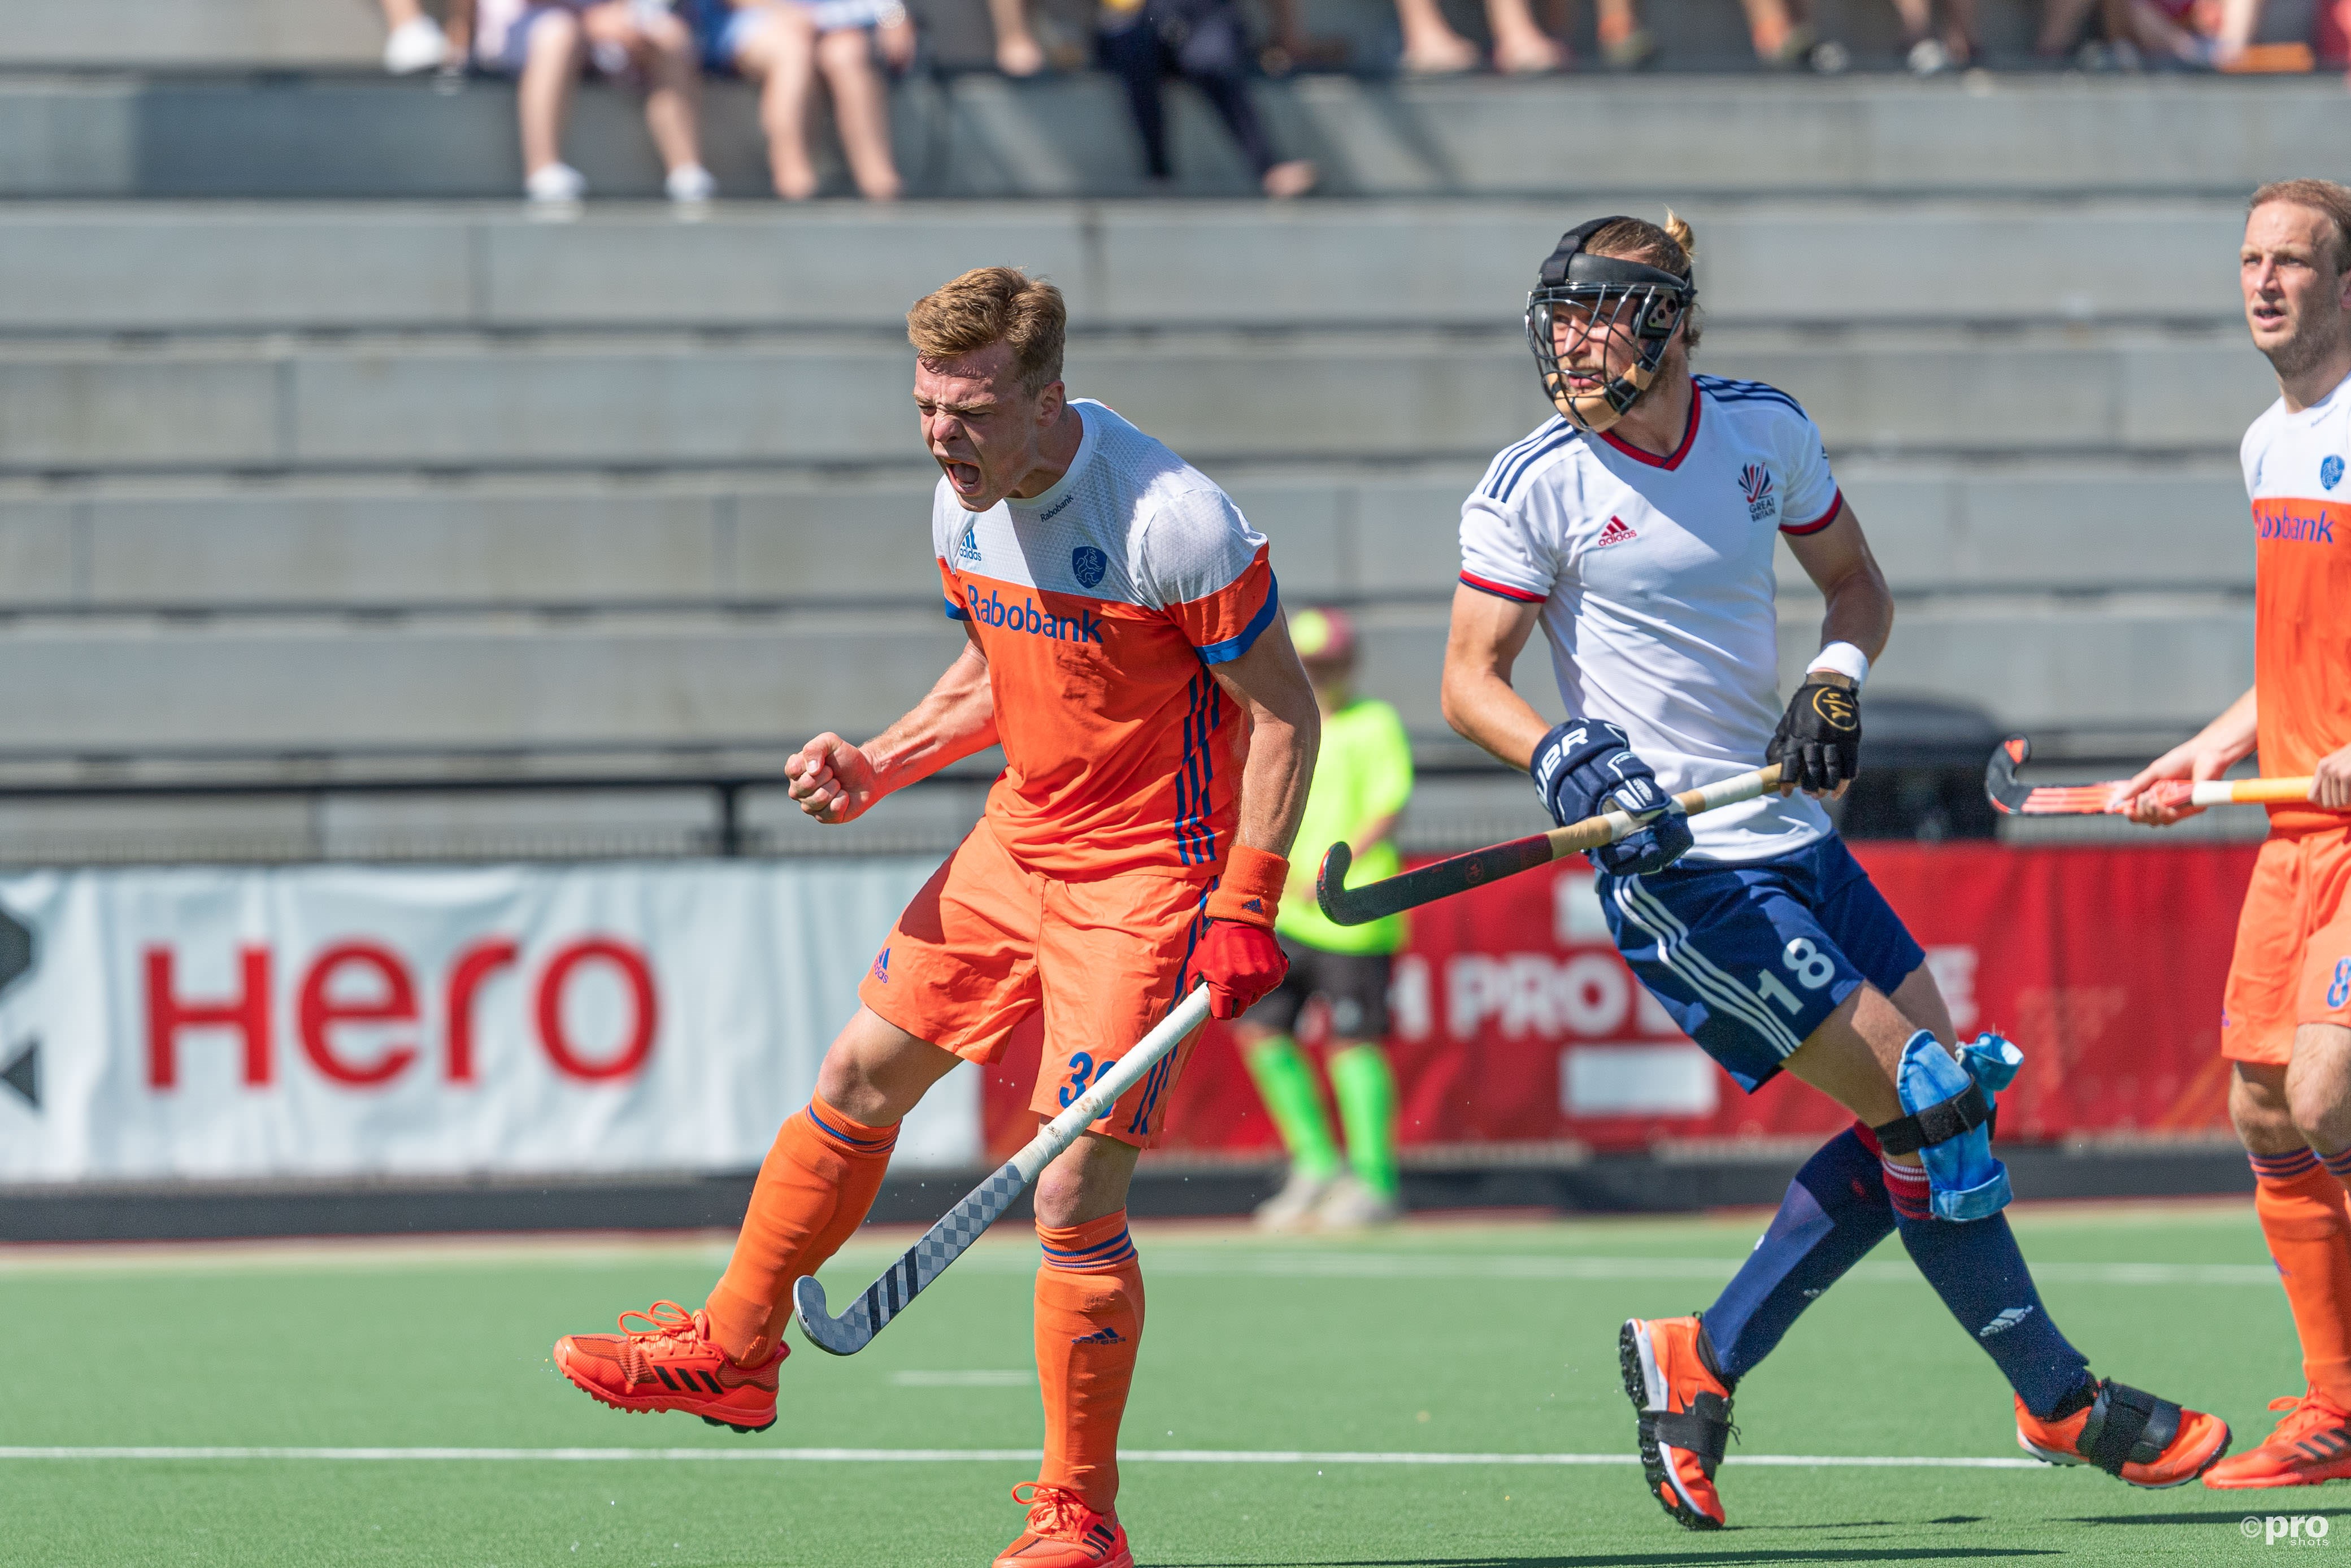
(844, 1335)
(1346, 905)
(2008, 793)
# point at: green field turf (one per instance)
(1494, 1339)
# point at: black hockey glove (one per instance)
(1818, 743)
(1586, 767)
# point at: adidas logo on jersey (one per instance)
(1617, 533)
(2009, 1317)
(881, 967)
(968, 548)
(1103, 1336)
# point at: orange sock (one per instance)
(2305, 1220)
(1088, 1320)
(814, 1189)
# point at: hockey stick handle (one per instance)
(2249, 791)
(1345, 905)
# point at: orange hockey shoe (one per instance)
(2128, 1433)
(2311, 1445)
(1685, 1413)
(671, 1365)
(1063, 1532)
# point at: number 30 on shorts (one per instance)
(2340, 991)
(1813, 969)
(1082, 1069)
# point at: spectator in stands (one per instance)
(412, 40)
(783, 44)
(545, 44)
(1784, 38)
(1931, 53)
(1017, 52)
(1206, 42)
(1523, 46)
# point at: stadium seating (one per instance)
(389, 472)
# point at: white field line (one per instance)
(1229, 1262)
(971, 1456)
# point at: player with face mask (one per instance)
(1636, 529)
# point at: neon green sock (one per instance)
(1365, 1090)
(1296, 1106)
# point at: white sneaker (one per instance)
(556, 184)
(1294, 1206)
(1929, 57)
(691, 183)
(414, 46)
(1352, 1206)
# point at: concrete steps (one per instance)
(477, 402)
(294, 136)
(579, 542)
(381, 267)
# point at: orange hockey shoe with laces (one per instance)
(2128, 1433)
(1684, 1416)
(1063, 1532)
(2311, 1445)
(671, 1364)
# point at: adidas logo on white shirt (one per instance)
(1617, 531)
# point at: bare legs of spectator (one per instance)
(660, 47)
(1018, 53)
(1929, 54)
(2061, 26)
(413, 40)
(784, 58)
(1782, 33)
(2157, 33)
(1431, 46)
(1624, 44)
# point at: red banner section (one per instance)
(1516, 1022)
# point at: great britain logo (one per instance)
(1755, 484)
(2330, 473)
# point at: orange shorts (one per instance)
(988, 942)
(2292, 960)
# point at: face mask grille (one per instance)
(1647, 313)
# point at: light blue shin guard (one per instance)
(1967, 1182)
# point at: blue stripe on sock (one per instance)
(868, 1144)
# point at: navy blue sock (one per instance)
(1975, 1267)
(1836, 1211)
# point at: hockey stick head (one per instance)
(842, 1335)
(2008, 791)
(1331, 881)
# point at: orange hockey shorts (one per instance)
(988, 942)
(2292, 960)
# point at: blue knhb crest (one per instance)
(2330, 473)
(1090, 564)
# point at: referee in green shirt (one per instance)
(1363, 777)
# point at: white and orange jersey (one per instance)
(1101, 606)
(2301, 497)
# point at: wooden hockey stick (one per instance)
(1347, 905)
(2015, 798)
(964, 1224)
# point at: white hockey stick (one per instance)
(947, 1240)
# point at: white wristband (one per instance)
(1845, 660)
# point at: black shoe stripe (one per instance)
(667, 1381)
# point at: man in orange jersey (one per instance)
(2286, 1019)
(1127, 647)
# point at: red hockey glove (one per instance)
(1239, 958)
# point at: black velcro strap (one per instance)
(2128, 1427)
(1703, 1431)
(1938, 1123)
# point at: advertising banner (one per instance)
(324, 1021)
(1515, 1021)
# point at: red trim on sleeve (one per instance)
(1689, 435)
(1502, 590)
(1836, 504)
